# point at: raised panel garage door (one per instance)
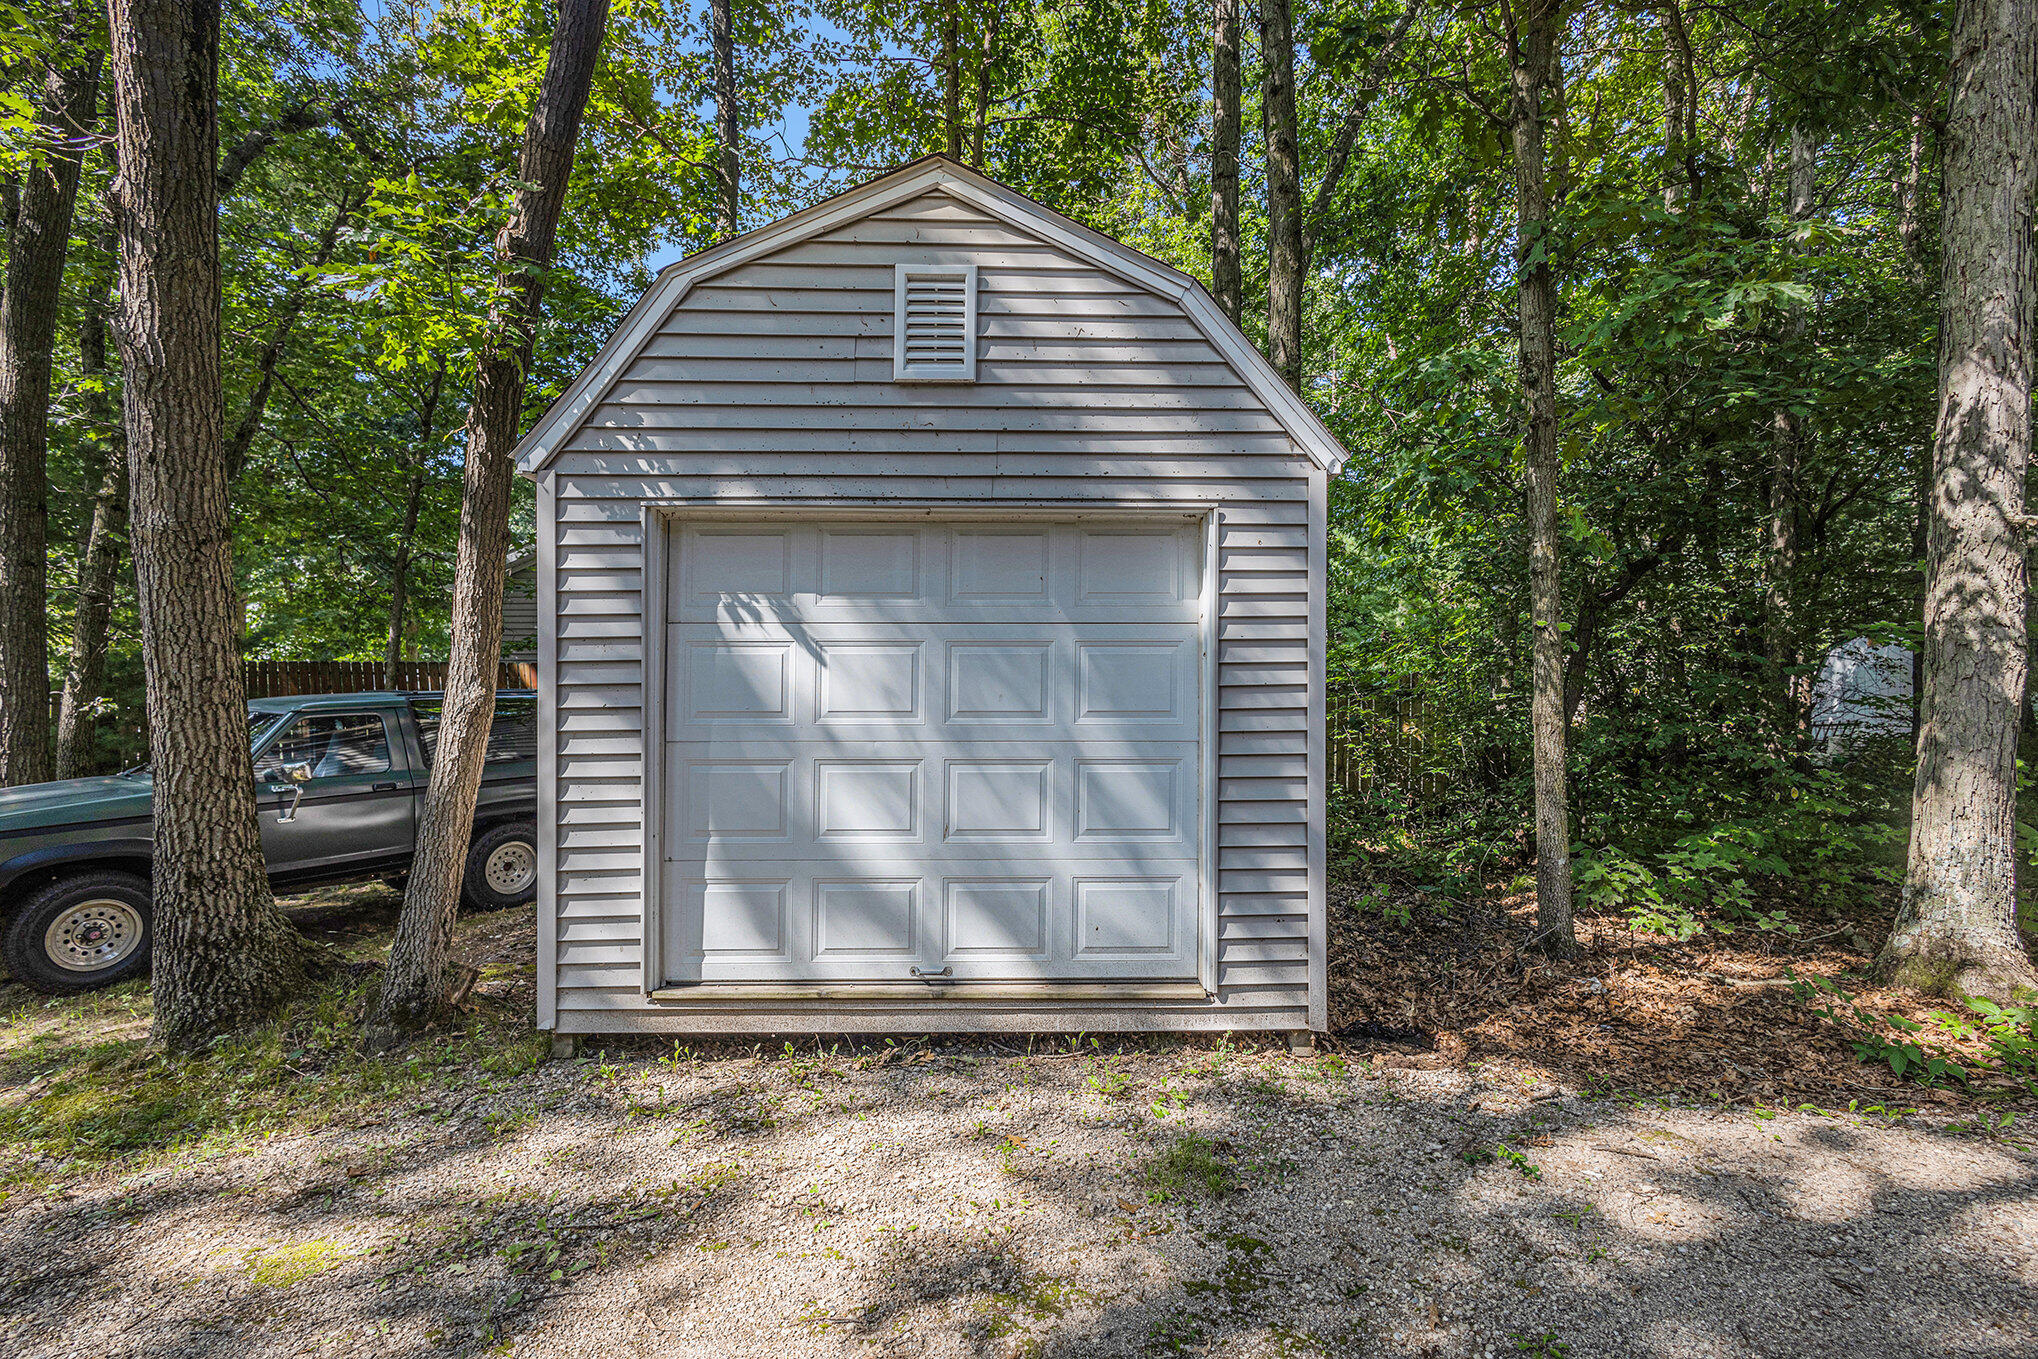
(931, 749)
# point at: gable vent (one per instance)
(935, 323)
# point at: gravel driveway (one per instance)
(960, 1201)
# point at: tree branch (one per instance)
(1348, 131)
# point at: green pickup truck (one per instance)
(339, 785)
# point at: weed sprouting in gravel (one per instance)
(1189, 1165)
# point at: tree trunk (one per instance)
(1284, 191)
(728, 128)
(224, 955)
(1790, 692)
(1956, 932)
(1532, 60)
(1677, 110)
(980, 119)
(399, 576)
(294, 297)
(1910, 194)
(99, 556)
(1226, 281)
(28, 335)
(412, 992)
(1911, 232)
(951, 79)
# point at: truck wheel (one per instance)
(81, 933)
(502, 868)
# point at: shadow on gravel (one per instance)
(1135, 1200)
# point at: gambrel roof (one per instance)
(930, 174)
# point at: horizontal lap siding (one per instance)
(773, 380)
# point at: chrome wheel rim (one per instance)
(93, 935)
(511, 868)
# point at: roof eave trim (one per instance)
(538, 447)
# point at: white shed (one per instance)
(931, 630)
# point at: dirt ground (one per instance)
(1440, 1195)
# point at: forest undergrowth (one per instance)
(1780, 1016)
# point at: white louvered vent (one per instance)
(935, 323)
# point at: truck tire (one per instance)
(502, 868)
(81, 933)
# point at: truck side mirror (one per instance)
(298, 774)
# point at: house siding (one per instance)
(771, 381)
(520, 613)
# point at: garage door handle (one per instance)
(925, 975)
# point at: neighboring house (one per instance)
(520, 606)
(931, 632)
(1862, 690)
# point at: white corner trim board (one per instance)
(933, 173)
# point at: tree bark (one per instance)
(99, 555)
(28, 331)
(224, 955)
(1284, 191)
(1532, 62)
(399, 576)
(951, 79)
(728, 128)
(987, 51)
(416, 983)
(1790, 692)
(1911, 232)
(1956, 931)
(1226, 280)
(1677, 84)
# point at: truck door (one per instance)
(334, 796)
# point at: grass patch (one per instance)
(292, 1264)
(90, 1102)
(1190, 1165)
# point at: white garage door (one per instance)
(958, 750)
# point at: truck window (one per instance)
(512, 736)
(331, 743)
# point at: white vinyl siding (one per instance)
(520, 613)
(772, 382)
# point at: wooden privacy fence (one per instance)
(281, 679)
(1389, 742)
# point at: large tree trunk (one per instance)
(417, 961)
(1284, 191)
(99, 556)
(1532, 62)
(1226, 281)
(224, 955)
(1956, 932)
(1789, 691)
(728, 128)
(28, 333)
